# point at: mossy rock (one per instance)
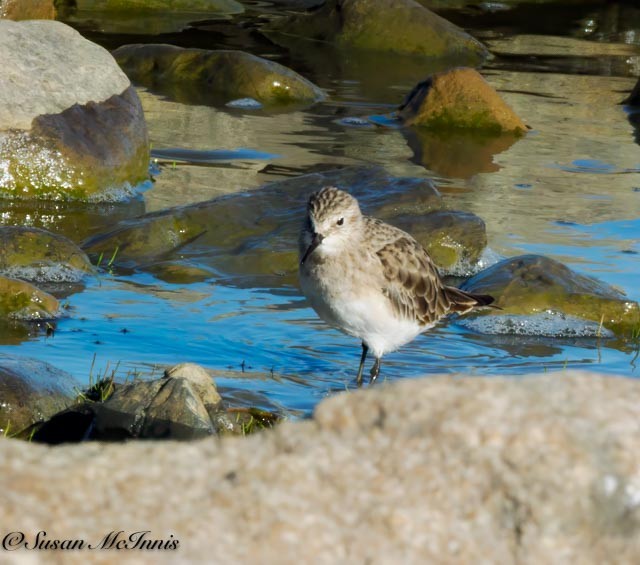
(71, 125)
(459, 99)
(180, 6)
(20, 300)
(27, 9)
(221, 75)
(35, 254)
(455, 240)
(31, 391)
(396, 26)
(530, 284)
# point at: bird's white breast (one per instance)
(351, 299)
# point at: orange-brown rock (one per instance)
(459, 98)
(27, 9)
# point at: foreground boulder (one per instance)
(38, 255)
(31, 391)
(71, 124)
(224, 76)
(20, 300)
(397, 26)
(449, 469)
(459, 98)
(531, 284)
(27, 9)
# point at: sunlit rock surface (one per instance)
(450, 469)
(531, 284)
(402, 26)
(71, 126)
(200, 75)
(27, 9)
(459, 98)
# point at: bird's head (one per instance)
(332, 223)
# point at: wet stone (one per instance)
(459, 98)
(20, 300)
(199, 75)
(31, 391)
(37, 255)
(531, 284)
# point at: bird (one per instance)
(371, 280)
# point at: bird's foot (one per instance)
(375, 371)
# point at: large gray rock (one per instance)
(450, 469)
(31, 391)
(71, 126)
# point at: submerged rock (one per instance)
(27, 10)
(31, 391)
(222, 76)
(253, 234)
(398, 26)
(531, 284)
(459, 98)
(38, 255)
(20, 300)
(71, 125)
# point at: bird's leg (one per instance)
(365, 350)
(375, 371)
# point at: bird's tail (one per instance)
(463, 302)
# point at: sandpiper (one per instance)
(370, 279)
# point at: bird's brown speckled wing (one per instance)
(412, 282)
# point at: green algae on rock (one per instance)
(398, 26)
(221, 75)
(71, 126)
(20, 300)
(35, 254)
(530, 284)
(459, 98)
(455, 240)
(31, 391)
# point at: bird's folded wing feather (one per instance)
(412, 282)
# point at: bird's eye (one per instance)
(340, 221)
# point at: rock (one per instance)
(178, 406)
(253, 235)
(216, 76)
(447, 469)
(37, 255)
(530, 284)
(27, 10)
(71, 125)
(176, 272)
(20, 300)
(459, 98)
(398, 26)
(455, 240)
(31, 391)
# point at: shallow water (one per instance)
(570, 190)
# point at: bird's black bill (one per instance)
(317, 240)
